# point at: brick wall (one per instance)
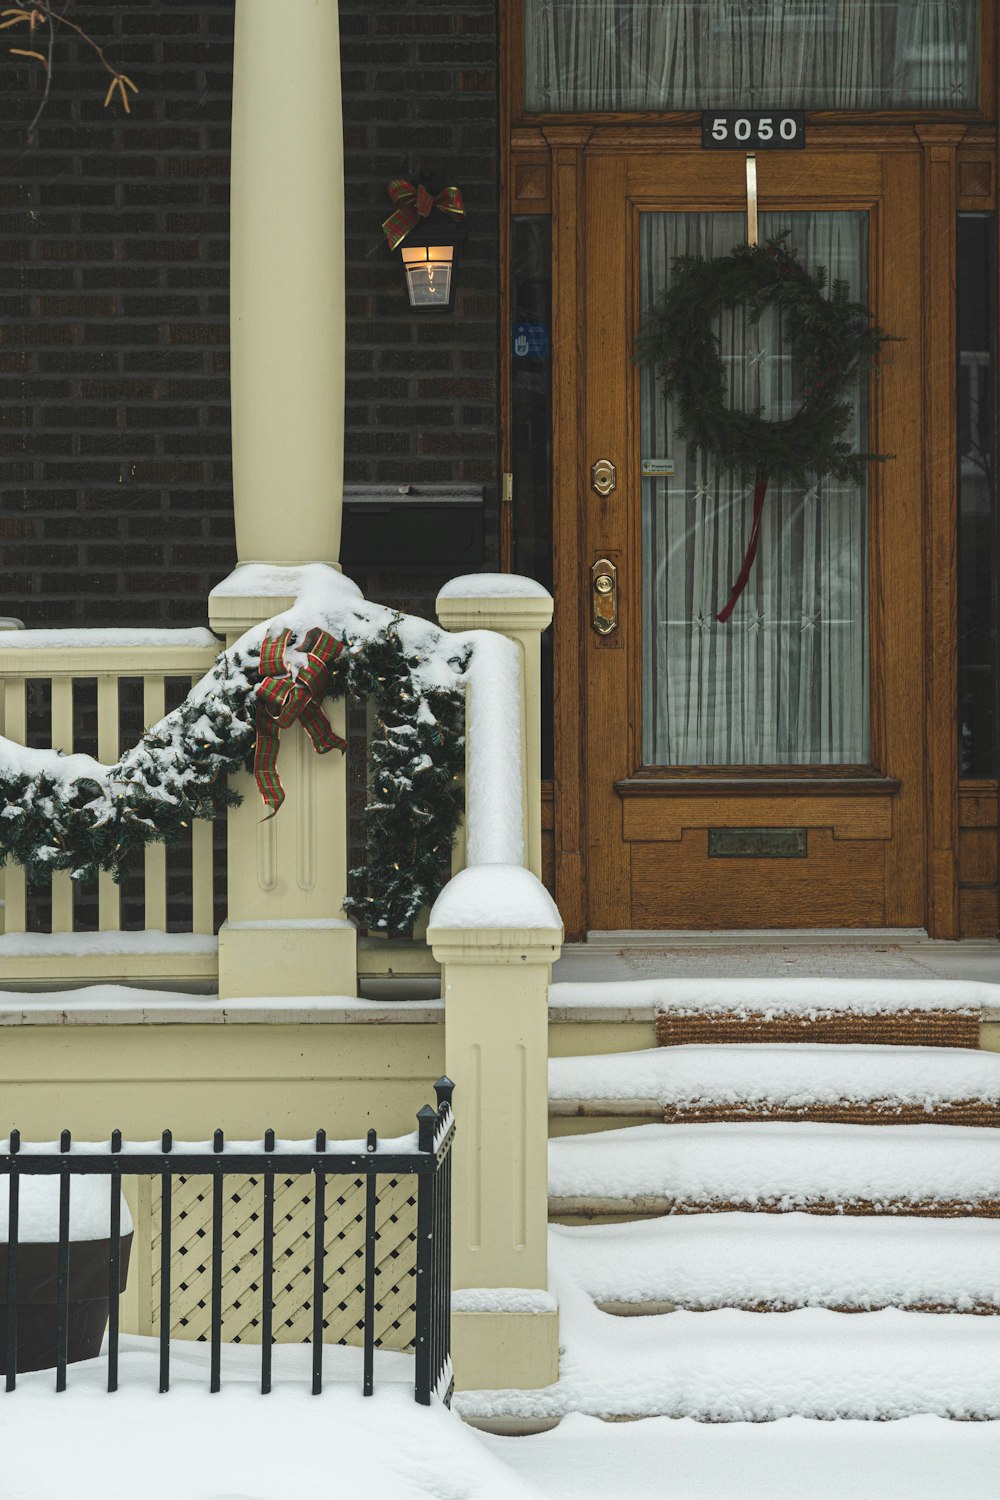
(115, 476)
(419, 84)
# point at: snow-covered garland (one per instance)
(72, 813)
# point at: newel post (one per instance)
(286, 933)
(495, 985)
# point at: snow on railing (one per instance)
(496, 889)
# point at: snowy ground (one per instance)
(238, 1445)
(922, 1458)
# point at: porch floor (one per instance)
(877, 954)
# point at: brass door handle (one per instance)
(604, 596)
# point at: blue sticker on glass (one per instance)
(531, 341)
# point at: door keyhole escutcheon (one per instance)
(604, 596)
(603, 477)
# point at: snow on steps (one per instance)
(850, 1084)
(942, 1170)
(735, 1366)
(943, 1013)
(783, 1261)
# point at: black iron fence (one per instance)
(420, 1252)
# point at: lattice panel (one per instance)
(292, 1287)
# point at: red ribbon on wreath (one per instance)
(414, 204)
(286, 696)
(743, 576)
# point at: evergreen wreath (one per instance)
(71, 813)
(834, 337)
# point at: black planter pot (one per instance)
(37, 1281)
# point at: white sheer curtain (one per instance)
(703, 54)
(785, 680)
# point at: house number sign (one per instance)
(753, 129)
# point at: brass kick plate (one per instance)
(603, 477)
(603, 596)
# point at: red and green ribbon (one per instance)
(414, 204)
(285, 698)
(743, 577)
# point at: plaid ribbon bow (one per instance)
(415, 203)
(283, 698)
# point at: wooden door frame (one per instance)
(542, 171)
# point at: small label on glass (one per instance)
(531, 341)
(657, 468)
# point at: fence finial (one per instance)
(426, 1122)
(444, 1089)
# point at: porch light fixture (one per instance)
(429, 260)
(422, 228)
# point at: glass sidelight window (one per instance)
(531, 424)
(583, 55)
(786, 680)
(977, 534)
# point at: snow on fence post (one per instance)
(521, 610)
(496, 932)
(285, 931)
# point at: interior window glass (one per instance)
(701, 54)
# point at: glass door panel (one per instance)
(786, 680)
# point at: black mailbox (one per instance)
(412, 526)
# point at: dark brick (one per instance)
(163, 472)
(118, 226)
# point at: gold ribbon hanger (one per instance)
(751, 199)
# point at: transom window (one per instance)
(657, 55)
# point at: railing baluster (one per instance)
(319, 1249)
(62, 1268)
(166, 1216)
(438, 1290)
(266, 1294)
(446, 1274)
(109, 902)
(426, 1123)
(371, 1239)
(444, 1091)
(13, 1205)
(114, 1254)
(216, 1314)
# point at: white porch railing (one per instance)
(150, 667)
(494, 929)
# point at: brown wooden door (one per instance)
(675, 837)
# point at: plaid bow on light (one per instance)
(283, 698)
(415, 203)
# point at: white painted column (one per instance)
(287, 281)
(286, 933)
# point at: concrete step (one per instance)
(915, 1012)
(835, 1083)
(944, 1171)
